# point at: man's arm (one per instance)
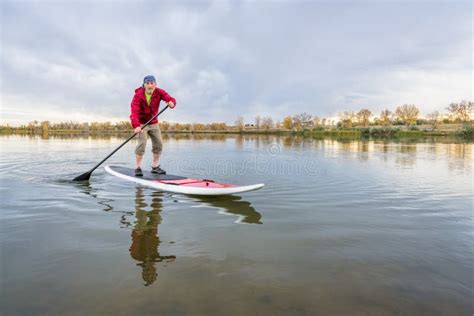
(167, 98)
(135, 111)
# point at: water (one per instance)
(341, 228)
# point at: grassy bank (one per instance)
(354, 133)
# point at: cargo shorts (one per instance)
(156, 141)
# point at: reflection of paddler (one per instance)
(145, 240)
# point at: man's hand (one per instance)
(171, 104)
(138, 130)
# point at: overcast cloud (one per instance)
(82, 60)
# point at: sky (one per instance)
(82, 60)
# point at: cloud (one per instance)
(221, 59)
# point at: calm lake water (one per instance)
(341, 228)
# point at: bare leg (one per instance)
(156, 160)
(138, 160)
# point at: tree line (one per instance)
(122, 126)
(407, 114)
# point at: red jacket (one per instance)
(141, 112)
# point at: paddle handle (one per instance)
(128, 139)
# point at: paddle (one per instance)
(87, 175)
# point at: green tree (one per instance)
(288, 122)
(45, 126)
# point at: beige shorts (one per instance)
(156, 141)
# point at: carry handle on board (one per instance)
(87, 175)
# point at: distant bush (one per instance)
(334, 133)
(365, 131)
(384, 131)
(410, 133)
(467, 131)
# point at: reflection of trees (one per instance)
(363, 146)
(239, 142)
(346, 145)
(145, 240)
(292, 141)
(408, 157)
(459, 151)
(407, 148)
(385, 148)
(266, 140)
(460, 156)
(288, 141)
(362, 149)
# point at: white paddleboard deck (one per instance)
(179, 184)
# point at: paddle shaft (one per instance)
(86, 176)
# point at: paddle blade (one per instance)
(83, 177)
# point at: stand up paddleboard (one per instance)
(178, 184)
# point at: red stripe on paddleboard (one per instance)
(197, 183)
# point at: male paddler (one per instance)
(145, 105)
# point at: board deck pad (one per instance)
(180, 184)
(147, 175)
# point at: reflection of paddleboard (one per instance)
(231, 205)
(178, 184)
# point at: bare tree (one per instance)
(216, 126)
(267, 122)
(407, 113)
(258, 120)
(461, 111)
(346, 118)
(297, 125)
(363, 117)
(316, 121)
(198, 127)
(433, 119)
(239, 123)
(164, 126)
(385, 116)
(302, 121)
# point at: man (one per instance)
(145, 105)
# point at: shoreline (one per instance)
(333, 133)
